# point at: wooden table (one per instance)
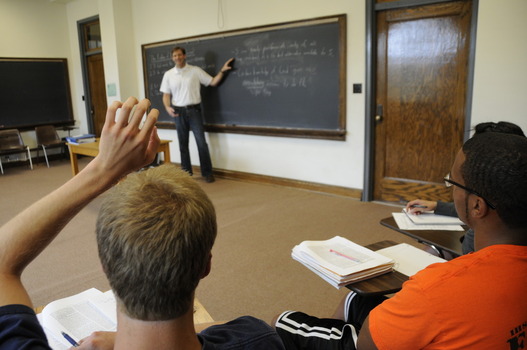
(91, 149)
(388, 283)
(441, 240)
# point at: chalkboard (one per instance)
(288, 79)
(34, 91)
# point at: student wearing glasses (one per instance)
(417, 206)
(476, 301)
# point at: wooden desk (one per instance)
(439, 239)
(92, 150)
(388, 283)
(200, 314)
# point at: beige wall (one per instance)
(127, 24)
(33, 29)
(500, 82)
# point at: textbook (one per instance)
(78, 139)
(340, 262)
(78, 316)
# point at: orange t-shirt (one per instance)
(476, 301)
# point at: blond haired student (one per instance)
(155, 233)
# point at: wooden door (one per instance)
(421, 79)
(97, 86)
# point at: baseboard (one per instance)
(311, 186)
(249, 177)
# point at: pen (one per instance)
(70, 339)
(344, 255)
(419, 206)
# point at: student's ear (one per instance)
(208, 268)
(479, 207)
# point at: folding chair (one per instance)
(11, 143)
(47, 137)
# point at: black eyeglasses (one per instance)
(449, 183)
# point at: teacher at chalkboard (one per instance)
(182, 99)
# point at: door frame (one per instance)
(84, 66)
(370, 82)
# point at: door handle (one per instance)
(379, 114)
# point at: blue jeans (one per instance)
(190, 119)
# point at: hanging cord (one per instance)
(221, 19)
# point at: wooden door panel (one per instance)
(97, 86)
(421, 82)
(400, 190)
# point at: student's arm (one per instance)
(365, 341)
(226, 67)
(446, 208)
(122, 149)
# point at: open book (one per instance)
(78, 316)
(340, 261)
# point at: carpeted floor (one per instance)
(252, 272)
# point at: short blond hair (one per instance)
(155, 232)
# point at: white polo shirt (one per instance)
(184, 84)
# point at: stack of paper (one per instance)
(340, 261)
(427, 221)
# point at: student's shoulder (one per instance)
(470, 266)
(19, 327)
(249, 331)
(438, 274)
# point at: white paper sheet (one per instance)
(408, 259)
